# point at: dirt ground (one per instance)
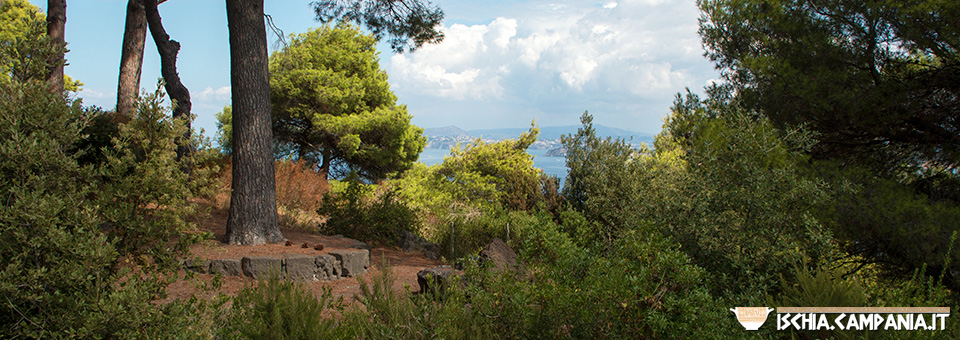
(403, 265)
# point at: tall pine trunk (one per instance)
(253, 207)
(56, 22)
(131, 57)
(168, 49)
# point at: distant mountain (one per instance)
(546, 133)
(447, 131)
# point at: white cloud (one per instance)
(220, 94)
(611, 54)
(89, 93)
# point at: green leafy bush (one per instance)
(463, 202)
(733, 190)
(145, 192)
(354, 213)
(281, 309)
(71, 231)
(604, 181)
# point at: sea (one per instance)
(556, 166)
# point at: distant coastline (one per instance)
(449, 136)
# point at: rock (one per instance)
(360, 245)
(432, 251)
(353, 244)
(410, 242)
(434, 279)
(328, 267)
(498, 255)
(300, 267)
(197, 265)
(352, 262)
(230, 267)
(262, 267)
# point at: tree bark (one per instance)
(131, 57)
(56, 22)
(178, 93)
(253, 207)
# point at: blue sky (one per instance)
(502, 64)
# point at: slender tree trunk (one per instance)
(178, 93)
(253, 205)
(56, 21)
(325, 164)
(131, 57)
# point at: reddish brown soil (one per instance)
(403, 265)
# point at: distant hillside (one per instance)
(446, 131)
(546, 133)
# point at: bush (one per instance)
(467, 229)
(70, 231)
(351, 213)
(145, 190)
(733, 190)
(281, 309)
(298, 185)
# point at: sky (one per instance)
(502, 63)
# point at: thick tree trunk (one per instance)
(253, 204)
(131, 57)
(178, 93)
(56, 21)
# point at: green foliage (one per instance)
(641, 286)
(225, 129)
(281, 309)
(822, 286)
(877, 80)
(643, 289)
(723, 182)
(24, 48)
(145, 193)
(516, 183)
(52, 249)
(739, 201)
(604, 182)
(884, 222)
(463, 201)
(63, 274)
(408, 23)
(332, 105)
(357, 212)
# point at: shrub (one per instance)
(465, 229)
(63, 275)
(145, 192)
(299, 186)
(281, 309)
(821, 286)
(379, 218)
(642, 286)
(733, 190)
